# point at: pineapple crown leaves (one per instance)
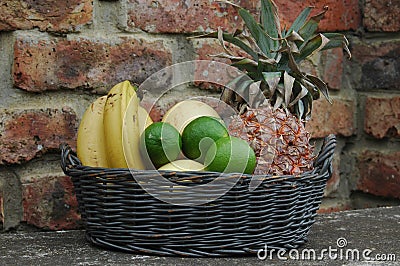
(273, 55)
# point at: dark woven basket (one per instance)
(119, 214)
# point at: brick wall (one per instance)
(55, 58)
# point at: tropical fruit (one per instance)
(90, 140)
(230, 155)
(185, 111)
(110, 128)
(121, 127)
(160, 143)
(183, 165)
(199, 134)
(281, 142)
(274, 121)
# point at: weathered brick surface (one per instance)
(331, 68)
(202, 15)
(342, 15)
(378, 63)
(50, 203)
(381, 15)
(337, 118)
(184, 16)
(25, 134)
(382, 117)
(380, 173)
(47, 15)
(50, 64)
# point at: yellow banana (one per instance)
(121, 127)
(90, 140)
(131, 135)
(117, 101)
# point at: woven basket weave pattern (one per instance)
(119, 214)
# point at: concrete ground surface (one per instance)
(357, 237)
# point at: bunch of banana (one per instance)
(109, 132)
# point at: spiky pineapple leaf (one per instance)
(294, 36)
(220, 37)
(242, 89)
(299, 21)
(322, 87)
(337, 40)
(302, 93)
(237, 86)
(304, 107)
(271, 23)
(312, 89)
(288, 82)
(233, 57)
(246, 64)
(293, 65)
(300, 109)
(308, 106)
(309, 29)
(272, 79)
(279, 97)
(256, 31)
(312, 46)
(231, 39)
(275, 57)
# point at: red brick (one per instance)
(50, 203)
(50, 64)
(25, 134)
(331, 68)
(380, 173)
(47, 15)
(378, 62)
(175, 16)
(381, 15)
(336, 118)
(342, 15)
(382, 117)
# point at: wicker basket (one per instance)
(119, 214)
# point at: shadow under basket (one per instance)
(119, 213)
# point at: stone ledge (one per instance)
(374, 229)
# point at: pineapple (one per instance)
(275, 125)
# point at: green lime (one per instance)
(230, 155)
(161, 143)
(200, 134)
